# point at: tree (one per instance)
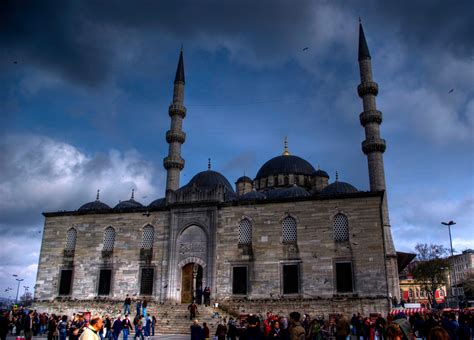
(430, 269)
(26, 299)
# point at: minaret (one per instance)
(175, 136)
(374, 147)
(370, 118)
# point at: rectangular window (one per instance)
(104, 281)
(291, 279)
(65, 282)
(146, 284)
(239, 280)
(344, 277)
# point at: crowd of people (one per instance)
(29, 323)
(430, 326)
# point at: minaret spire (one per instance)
(363, 48)
(175, 137)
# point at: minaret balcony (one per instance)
(368, 87)
(373, 144)
(175, 136)
(177, 109)
(370, 116)
(171, 162)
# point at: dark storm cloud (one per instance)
(81, 41)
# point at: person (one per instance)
(4, 324)
(315, 330)
(153, 324)
(438, 333)
(207, 296)
(95, 326)
(231, 330)
(196, 331)
(296, 331)
(394, 332)
(117, 328)
(205, 330)
(126, 305)
(28, 325)
(147, 326)
(275, 331)
(138, 327)
(126, 327)
(52, 326)
(253, 331)
(221, 331)
(62, 327)
(138, 307)
(108, 327)
(192, 310)
(199, 295)
(144, 305)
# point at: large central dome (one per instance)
(285, 164)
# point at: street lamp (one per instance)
(18, 289)
(449, 224)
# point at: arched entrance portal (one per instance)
(191, 279)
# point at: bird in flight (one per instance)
(306, 48)
(451, 91)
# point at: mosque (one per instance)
(288, 235)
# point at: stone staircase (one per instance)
(174, 318)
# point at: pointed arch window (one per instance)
(289, 230)
(109, 239)
(245, 231)
(147, 237)
(341, 228)
(71, 239)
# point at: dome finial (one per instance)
(285, 151)
(98, 195)
(337, 176)
(208, 164)
(133, 194)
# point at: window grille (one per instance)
(109, 239)
(71, 239)
(341, 228)
(289, 230)
(245, 232)
(147, 238)
(410, 293)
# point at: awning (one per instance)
(409, 311)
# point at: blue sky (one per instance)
(85, 87)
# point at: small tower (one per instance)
(243, 185)
(175, 137)
(374, 147)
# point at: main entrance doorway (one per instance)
(191, 279)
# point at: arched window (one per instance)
(147, 237)
(341, 228)
(245, 232)
(417, 292)
(288, 230)
(109, 239)
(71, 239)
(286, 180)
(410, 293)
(275, 181)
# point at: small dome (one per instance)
(320, 173)
(285, 164)
(131, 203)
(158, 203)
(338, 188)
(252, 196)
(244, 179)
(295, 191)
(95, 205)
(209, 180)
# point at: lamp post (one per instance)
(18, 289)
(449, 224)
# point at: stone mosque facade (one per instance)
(286, 236)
